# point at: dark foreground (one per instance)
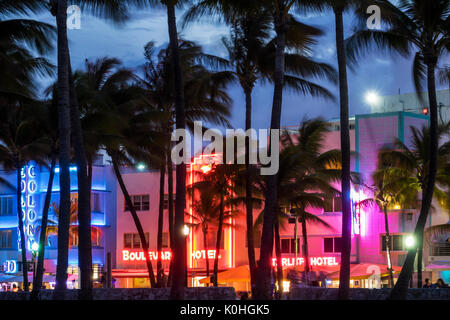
(227, 293)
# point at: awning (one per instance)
(364, 270)
(19, 278)
(439, 265)
(4, 278)
(239, 274)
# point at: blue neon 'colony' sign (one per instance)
(29, 188)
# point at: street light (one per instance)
(410, 241)
(186, 233)
(186, 230)
(372, 98)
(140, 166)
(34, 251)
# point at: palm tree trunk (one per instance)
(159, 268)
(248, 190)
(400, 291)
(137, 222)
(419, 265)
(344, 274)
(264, 267)
(171, 232)
(279, 263)
(219, 237)
(179, 248)
(388, 247)
(23, 245)
(64, 149)
(37, 282)
(84, 197)
(90, 164)
(205, 245)
(305, 249)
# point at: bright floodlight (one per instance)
(409, 241)
(35, 246)
(372, 97)
(140, 166)
(186, 230)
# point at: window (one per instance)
(165, 240)
(285, 246)
(332, 204)
(256, 239)
(332, 245)
(140, 202)
(96, 237)
(212, 240)
(73, 240)
(166, 201)
(5, 239)
(96, 203)
(132, 240)
(397, 242)
(288, 245)
(6, 206)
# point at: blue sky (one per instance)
(380, 72)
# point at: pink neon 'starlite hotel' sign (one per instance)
(166, 255)
(313, 261)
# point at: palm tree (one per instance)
(415, 162)
(306, 178)
(128, 135)
(281, 19)
(391, 186)
(69, 119)
(205, 99)
(251, 52)
(59, 10)
(22, 140)
(420, 28)
(206, 213)
(179, 261)
(220, 181)
(18, 38)
(52, 133)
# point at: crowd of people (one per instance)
(439, 284)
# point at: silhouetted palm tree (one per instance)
(420, 28)
(415, 161)
(22, 140)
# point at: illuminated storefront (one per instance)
(34, 179)
(119, 237)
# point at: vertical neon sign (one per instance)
(29, 188)
(356, 212)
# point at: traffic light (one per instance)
(425, 111)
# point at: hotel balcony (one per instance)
(440, 251)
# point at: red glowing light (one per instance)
(314, 261)
(166, 255)
(206, 168)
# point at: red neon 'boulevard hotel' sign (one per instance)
(165, 255)
(211, 254)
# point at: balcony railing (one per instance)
(440, 249)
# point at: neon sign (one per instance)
(313, 261)
(165, 255)
(10, 266)
(358, 218)
(29, 187)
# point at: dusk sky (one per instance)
(380, 72)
